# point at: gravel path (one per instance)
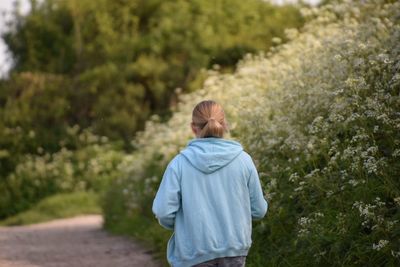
(74, 242)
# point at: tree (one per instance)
(122, 60)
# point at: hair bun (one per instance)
(209, 117)
(212, 119)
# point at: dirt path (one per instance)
(74, 242)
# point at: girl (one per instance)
(208, 196)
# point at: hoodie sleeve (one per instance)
(168, 199)
(259, 205)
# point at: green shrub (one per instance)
(320, 116)
(91, 167)
(120, 61)
(106, 67)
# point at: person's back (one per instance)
(209, 194)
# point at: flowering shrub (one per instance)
(320, 116)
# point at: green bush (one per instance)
(320, 116)
(105, 66)
(117, 62)
(91, 167)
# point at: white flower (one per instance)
(397, 201)
(276, 40)
(337, 57)
(353, 182)
(395, 254)
(396, 153)
(381, 244)
(294, 177)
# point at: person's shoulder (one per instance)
(175, 162)
(246, 156)
(247, 160)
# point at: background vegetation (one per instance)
(320, 117)
(317, 107)
(117, 62)
(87, 74)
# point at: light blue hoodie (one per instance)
(208, 196)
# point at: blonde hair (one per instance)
(209, 117)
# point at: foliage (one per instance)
(57, 206)
(90, 167)
(31, 105)
(121, 61)
(320, 116)
(88, 72)
(124, 219)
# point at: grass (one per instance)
(57, 206)
(145, 231)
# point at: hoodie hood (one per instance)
(211, 153)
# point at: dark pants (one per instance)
(224, 262)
